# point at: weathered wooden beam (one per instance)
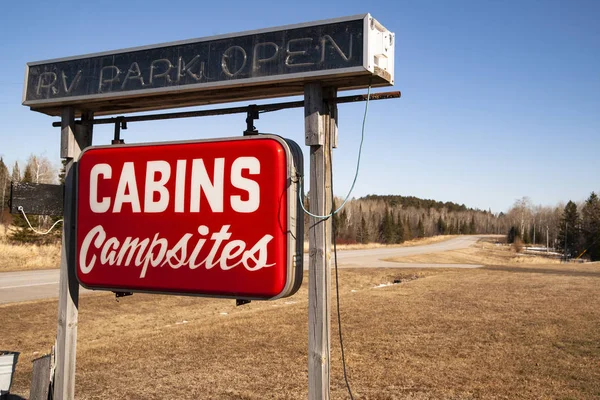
(319, 134)
(40, 378)
(36, 198)
(73, 140)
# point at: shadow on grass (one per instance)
(544, 271)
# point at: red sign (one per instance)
(212, 218)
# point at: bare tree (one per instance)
(42, 170)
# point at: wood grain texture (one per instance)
(68, 298)
(319, 237)
(36, 198)
(40, 378)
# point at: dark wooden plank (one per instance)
(36, 198)
(40, 378)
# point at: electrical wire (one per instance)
(337, 286)
(334, 233)
(20, 208)
(362, 139)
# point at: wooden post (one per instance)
(40, 378)
(319, 132)
(73, 140)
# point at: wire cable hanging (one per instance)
(362, 139)
(20, 208)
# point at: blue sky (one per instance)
(499, 99)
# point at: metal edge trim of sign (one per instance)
(203, 39)
(366, 33)
(291, 267)
(190, 88)
(293, 278)
(25, 85)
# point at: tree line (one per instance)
(572, 229)
(396, 219)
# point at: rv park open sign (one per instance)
(212, 218)
(345, 53)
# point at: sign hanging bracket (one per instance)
(120, 123)
(251, 115)
(118, 295)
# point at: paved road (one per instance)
(43, 284)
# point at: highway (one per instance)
(43, 284)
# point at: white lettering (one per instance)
(237, 180)
(74, 82)
(201, 183)
(127, 183)
(289, 59)
(84, 266)
(134, 73)
(143, 253)
(156, 186)
(98, 170)
(164, 74)
(230, 54)
(47, 80)
(180, 186)
(259, 49)
(329, 39)
(115, 77)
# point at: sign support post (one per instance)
(320, 131)
(73, 140)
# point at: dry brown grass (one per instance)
(491, 333)
(484, 252)
(27, 256)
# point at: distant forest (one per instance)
(573, 228)
(394, 219)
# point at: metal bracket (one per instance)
(119, 124)
(118, 295)
(251, 115)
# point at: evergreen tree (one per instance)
(420, 229)
(472, 229)
(407, 229)
(463, 229)
(386, 229)
(513, 234)
(16, 173)
(569, 236)
(441, 226)
(590, 216)
(399, 230)
(28, 175)
(526, 236)
(363, 237)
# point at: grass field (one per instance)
(512, 331)
(27, 256)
